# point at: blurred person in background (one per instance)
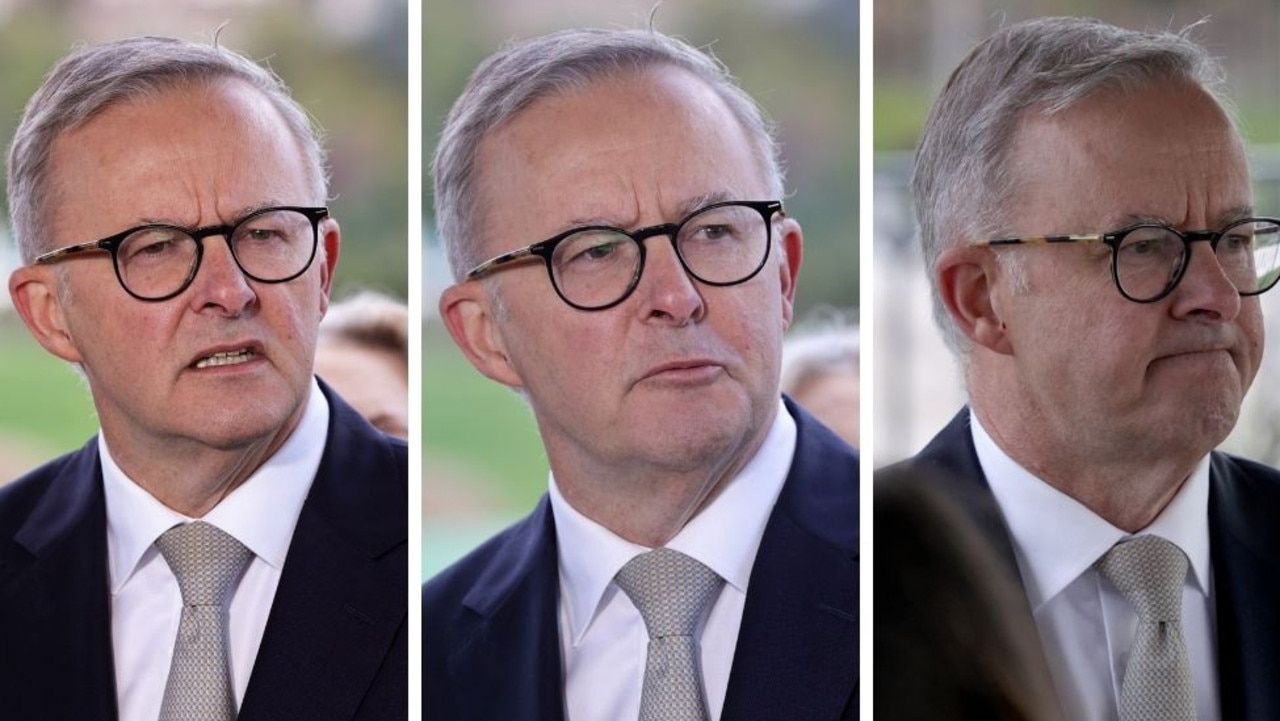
(610, 201)
(820, 371)
(1086, 214)
(953, 638)
(234, 522)
(363, 353)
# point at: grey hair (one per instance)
(93, 78)
(520, 74)
(963, 179)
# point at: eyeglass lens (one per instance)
(1149, 259)
(269, 246)
(720, 245)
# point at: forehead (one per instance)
(185, 154)
(624, 149)
(1167, 152)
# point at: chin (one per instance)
(241, 424)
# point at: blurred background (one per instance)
(917, 44)
(483, 465)
(347, 63)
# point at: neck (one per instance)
(1128, 483)
(191, 477)
(648, 503)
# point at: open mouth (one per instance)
(226, 358)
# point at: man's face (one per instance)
(680, 374)
(190, 156)
(1102, 372)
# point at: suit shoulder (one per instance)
(19, 497)
(443, 593)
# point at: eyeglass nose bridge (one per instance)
(672, 231)
(199, 234)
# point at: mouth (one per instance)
(684, 370)
(225, 358)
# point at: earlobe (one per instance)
(35, 297)
(468, 313)
(965, 279)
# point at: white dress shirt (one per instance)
(146, 603)
(1087, 627)
(602, 636)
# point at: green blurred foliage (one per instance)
(46, 408)
(481, 429)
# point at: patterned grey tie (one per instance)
(208, 564)
(1150, 571)
(671, 591)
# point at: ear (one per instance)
(966, 279)
(467, 309)
(34, 292)
(791, 242)
(331, 245)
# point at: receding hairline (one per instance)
(243, 90)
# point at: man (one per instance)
(235, 536)
(1086, 212)
(644, 326)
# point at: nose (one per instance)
(669, 295)
(1205, 292)
(220, 286)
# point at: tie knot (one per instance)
(670, 589)
(1149, 571)
(207, 562)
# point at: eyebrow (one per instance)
(236, 216)
(686, 208)
(1226, 217)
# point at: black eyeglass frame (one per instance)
(112, 245)
(1113, 240)
(546, 248)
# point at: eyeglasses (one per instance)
(596, 267)
(1149, 259)
(156, 262)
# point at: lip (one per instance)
(692, 370)
(1195, 350)
(253, 348)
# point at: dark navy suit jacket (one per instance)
(1244, 545)
(491, 649)
(335, 644)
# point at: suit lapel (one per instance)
(797, 651)
(507, 663)
(952, 462)
(336, 632)
(1245, 543)
(56, 598)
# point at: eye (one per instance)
(597, 252)
(1236, 242)
(592, 249)
(715, 232)
(153, 244)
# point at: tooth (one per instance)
(223, 358)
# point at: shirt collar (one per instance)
(261, 513)
(1057, 538)
(591, 555)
